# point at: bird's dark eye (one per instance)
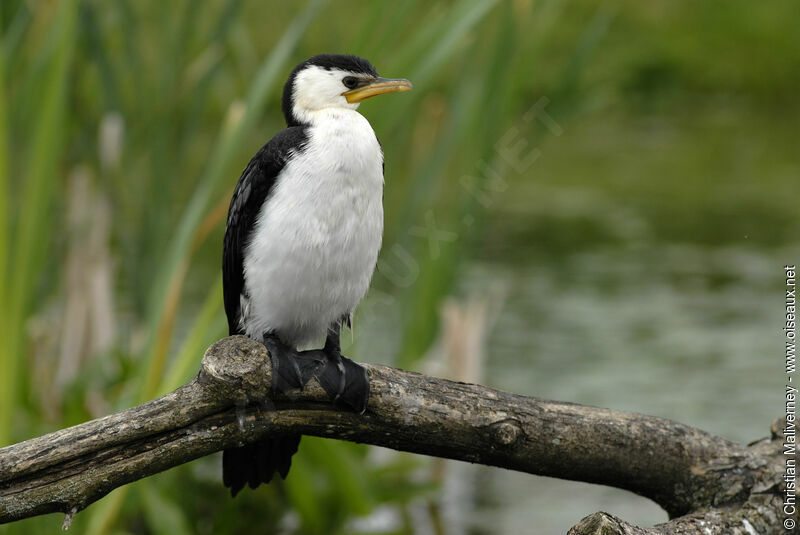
(350, 81)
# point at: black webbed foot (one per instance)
(344, 380)
(291, 369)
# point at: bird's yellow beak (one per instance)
(379, 86)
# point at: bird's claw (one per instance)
(291, 369)
(345, 381)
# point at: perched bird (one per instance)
(302, 238)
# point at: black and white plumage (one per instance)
(302, 238)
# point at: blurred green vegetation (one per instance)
(124, 126)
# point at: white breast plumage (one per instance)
(316, 240)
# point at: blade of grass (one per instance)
(472, 128)
(164, 336)
(300, 489)
(103, 515)
(341, 464)
(162, 515)
(589, 40)
(437, 274)
(38, 187)
(450, 31)
(15, 30)
(209, 325)
(466, 20)
(421, 325)
(5, 213)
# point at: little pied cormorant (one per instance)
(302, 238)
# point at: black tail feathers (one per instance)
(257, 463)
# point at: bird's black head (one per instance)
(332, 81)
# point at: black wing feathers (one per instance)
(254, 186)
(254, 463)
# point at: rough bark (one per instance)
(706, 484)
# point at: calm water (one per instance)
(649, 330)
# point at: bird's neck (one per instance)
(327, 115)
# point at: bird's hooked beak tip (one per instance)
(379, 86)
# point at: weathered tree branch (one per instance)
(716, 484)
